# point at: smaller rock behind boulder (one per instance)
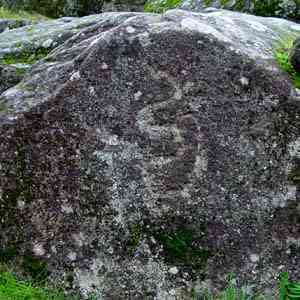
(295, 55)
(287, 9)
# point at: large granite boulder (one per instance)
(152, 154)
(270, 8)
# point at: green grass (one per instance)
(20, 15)
(12, 288)
(232, 292)
(160, 6)
(287, 290)
(281, 55)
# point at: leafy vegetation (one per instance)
(266, 8)
(288, 290)
(282, 57)
(160, 6)
(6, 13)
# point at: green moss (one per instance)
(207, 2)
(135, 237)
(160, 6)
(181, 248)
(25, 57)
(281, 55)
(20, 71)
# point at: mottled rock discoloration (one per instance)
(130, 141)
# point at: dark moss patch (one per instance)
(181, 248)
(135, 237)
(35, 268)
(16, 24)
(25, 57)
(8, 254)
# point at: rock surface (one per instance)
(152, 154)
(270, 8)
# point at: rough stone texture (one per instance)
(145, 130)
(295, 55)
(270, 8)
